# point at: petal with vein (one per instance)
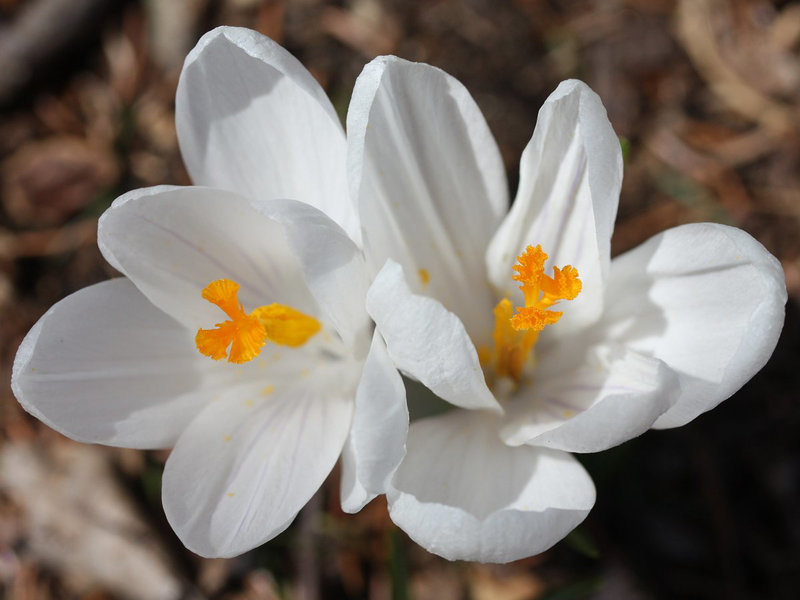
(247, 464)
(429, 182)
(377, 439)
(427, 342)
(252, 119)
(615, 395)
(708, 300)
(333, 266)
(464, 495)
(570, 177)
(173, 241)
(104, 365)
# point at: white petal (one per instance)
(706, 299)
(570, 177)
(615, 395)
(353, 495)
(247, 464)
(333, 267)
(251, 119)
(429, 182)
(172, 242)
(377, 441)
(463, 494)
(105, 365)
(427, 341)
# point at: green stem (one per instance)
(398, 568)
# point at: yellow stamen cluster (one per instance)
(515, 335)
(245, 333)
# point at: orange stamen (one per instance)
(246, 334)
(515, 336)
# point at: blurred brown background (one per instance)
(704, 93)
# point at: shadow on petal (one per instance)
(463, 494)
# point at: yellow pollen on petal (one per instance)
(516, 333)
(424, 276)
(241, 338)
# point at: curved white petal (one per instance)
(427, 341)
(570, 177)
(247, 464)
(377, 441)
(173, 241)
(252, 119)
(333, 267)
(104, 365)
(463, 494)
(615, 395)
(429, 182)
(352, 493)
(706, 299)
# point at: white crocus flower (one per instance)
(651, 339)
(238, 335)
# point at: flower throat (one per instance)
(515, 334)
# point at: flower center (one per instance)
(245, 333)
(515, 334)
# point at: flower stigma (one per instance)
(515, 334)
(245, 333)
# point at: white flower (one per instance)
(417, 192)
(223, 271)
(651, 339)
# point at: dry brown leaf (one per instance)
(699, 38)
(729, 192)
(82, 524)
(369, 29)
(45, 182)
(48, 242)
(172, 30)
(258, 585)
(500, 583)
(438, 582)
